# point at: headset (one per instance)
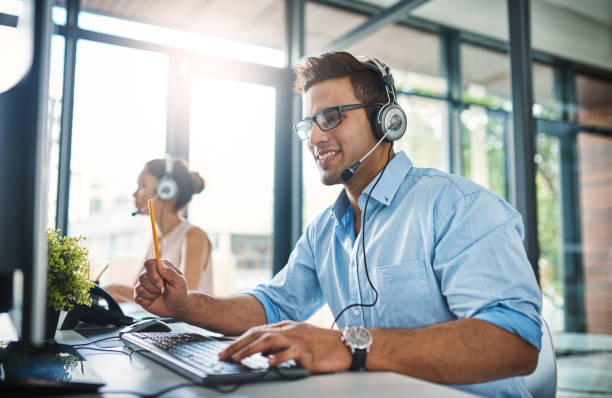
(166, 187)
(389, 123)
(390, 120)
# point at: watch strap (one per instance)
(359, 359)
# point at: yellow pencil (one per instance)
(152, 213)
(154, 229)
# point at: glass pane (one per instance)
(486, 17)
(412, 55)
(238, 29)
(490, 86)
(237, 161)
(56, 79)
(546, 105)
(483, 137)
(573, 30)
(594, 101)
(324, 24)
(58, 12)
(549, 233)
(119, 124)
(595, 190)
(426, 138)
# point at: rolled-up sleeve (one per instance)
(482, 267)
(294, 293)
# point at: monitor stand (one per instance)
(51, 368)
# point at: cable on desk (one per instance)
(105, 350)
(92, 342)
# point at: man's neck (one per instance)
(366, 172)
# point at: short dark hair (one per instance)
(367, 83)
(188, 182)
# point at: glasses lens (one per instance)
(328, 118)
(303, 128)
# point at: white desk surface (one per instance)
(146, 376)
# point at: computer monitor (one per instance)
(24, 152)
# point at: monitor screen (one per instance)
(24, 148)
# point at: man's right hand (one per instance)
(161, 289)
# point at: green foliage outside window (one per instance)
(68, 268)
(547, 185)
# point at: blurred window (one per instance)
(594, 101)
(119, 124)
(235, 155)
(483, 143)
(56, 80)
(239, 29)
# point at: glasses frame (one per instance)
(340, 109)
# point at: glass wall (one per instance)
(119, 124)
(56, 81)
(595, 195)
(238, 29)
(483, 148)
(547, 161)
(235, 155)
(594, 101)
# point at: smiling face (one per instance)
(337, 149)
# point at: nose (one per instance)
(317, 136)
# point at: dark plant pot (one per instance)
(51, 323)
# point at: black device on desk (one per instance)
(97, 314)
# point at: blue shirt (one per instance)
(438, 248)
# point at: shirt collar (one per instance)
(387, 187)
(389, 183)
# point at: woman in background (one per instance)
(179, 241)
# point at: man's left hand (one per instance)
(316, 349)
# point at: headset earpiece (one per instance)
(390, 118)
(167, 188)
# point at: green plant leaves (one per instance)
(67, 277)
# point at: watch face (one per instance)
(358, 337)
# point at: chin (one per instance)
(329, 179)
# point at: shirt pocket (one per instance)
(404, 295)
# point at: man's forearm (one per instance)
(465, 351)
(230, 316)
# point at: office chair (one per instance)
(542, 383)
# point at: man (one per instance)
(454, 298)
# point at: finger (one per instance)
(140, 291)
(170, 276)
(151, 268)
(247, 338)
(170, 264)
(145, 281)
(144, 303)
(268, 343)
(292, 352)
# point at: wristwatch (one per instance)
(359, 340)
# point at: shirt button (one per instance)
(356, 312)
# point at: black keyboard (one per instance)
(196, 357)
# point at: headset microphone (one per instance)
(348, 173)
(135, 213)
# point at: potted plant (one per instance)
(67, 277)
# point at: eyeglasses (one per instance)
(327, 119)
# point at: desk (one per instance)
(146, 376)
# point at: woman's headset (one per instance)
(390, 120)
(167, 188)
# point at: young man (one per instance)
(455, 299)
